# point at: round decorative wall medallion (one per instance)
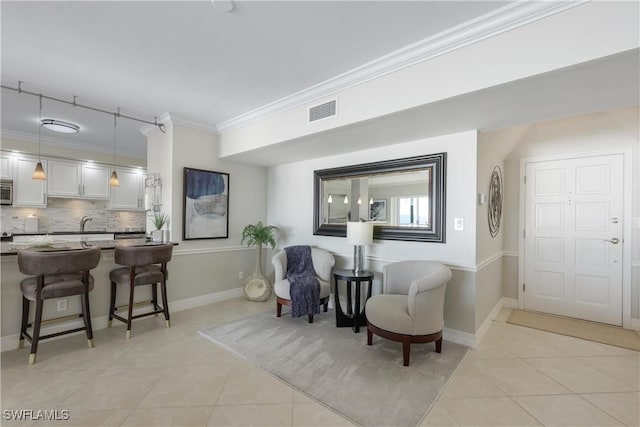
(495, 201)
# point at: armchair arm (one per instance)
(279, 262)
(426, 301)
(323, 263)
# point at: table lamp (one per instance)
(359, 234)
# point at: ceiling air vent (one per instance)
(322, 111)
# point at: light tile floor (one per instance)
(175, 377)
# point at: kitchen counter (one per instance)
(11, 248)
(77, 232)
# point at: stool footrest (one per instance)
(137, 316)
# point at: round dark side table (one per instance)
(354, 316)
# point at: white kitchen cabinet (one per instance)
(130, 195)
(26, 191)
(6, 166)
(95, 181)
(78, 179)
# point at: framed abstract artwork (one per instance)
(206, 205)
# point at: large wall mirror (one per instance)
(404, 198)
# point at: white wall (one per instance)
(583, 33)
(613, 131)
(290, 207)
(159, 160)
(68, 153)
(290, 204)
(210, 265)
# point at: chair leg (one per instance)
(130, 313)
(278, 309)
(154, 298)
(86, 316)
(165, 303)
(406, 349)
(439, 346)
(112, 304)
(325, 304)
(310, 318)
(36, 331)
(369, 337)
(25, 321)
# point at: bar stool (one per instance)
(145, 265)
(57, 274)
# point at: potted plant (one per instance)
(159, 220)
(258, 287)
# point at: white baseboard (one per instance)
(486, 324)
(10, 342)
(509, 302)
(459, 337)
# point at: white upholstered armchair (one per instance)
(411, 308)
(323, 263)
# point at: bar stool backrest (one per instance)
(68, 261)
(143, 255)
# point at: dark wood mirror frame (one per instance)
(436, 162)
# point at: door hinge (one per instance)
(525, 179)
(524, 287)
(524, 233)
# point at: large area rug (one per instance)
(366, 384)
(605, 334)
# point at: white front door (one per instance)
(573, 238)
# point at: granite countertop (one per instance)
(10, 248)
(44, 233)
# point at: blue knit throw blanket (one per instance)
(304, 285)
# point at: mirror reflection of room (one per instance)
(395, 199)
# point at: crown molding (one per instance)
(504, 19)
(60, 142)
(182, 121)
(168, 119)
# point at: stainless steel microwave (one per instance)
(6, 192)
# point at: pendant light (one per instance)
(38, 173)
(114, 181)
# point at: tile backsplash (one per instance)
(65, 215)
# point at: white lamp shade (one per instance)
(360, 233)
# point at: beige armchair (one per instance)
(323, 263)
(411, 308)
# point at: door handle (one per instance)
(613, 240)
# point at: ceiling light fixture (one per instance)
(38, 173)
(224, 5)
(114, 181)
(60, 126)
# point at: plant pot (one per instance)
(258, 287)
(156, 236)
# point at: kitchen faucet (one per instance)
(84, 221)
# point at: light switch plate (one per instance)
(458, 224)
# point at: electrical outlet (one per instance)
(241, 275)
(62, 305)
(458, 224)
